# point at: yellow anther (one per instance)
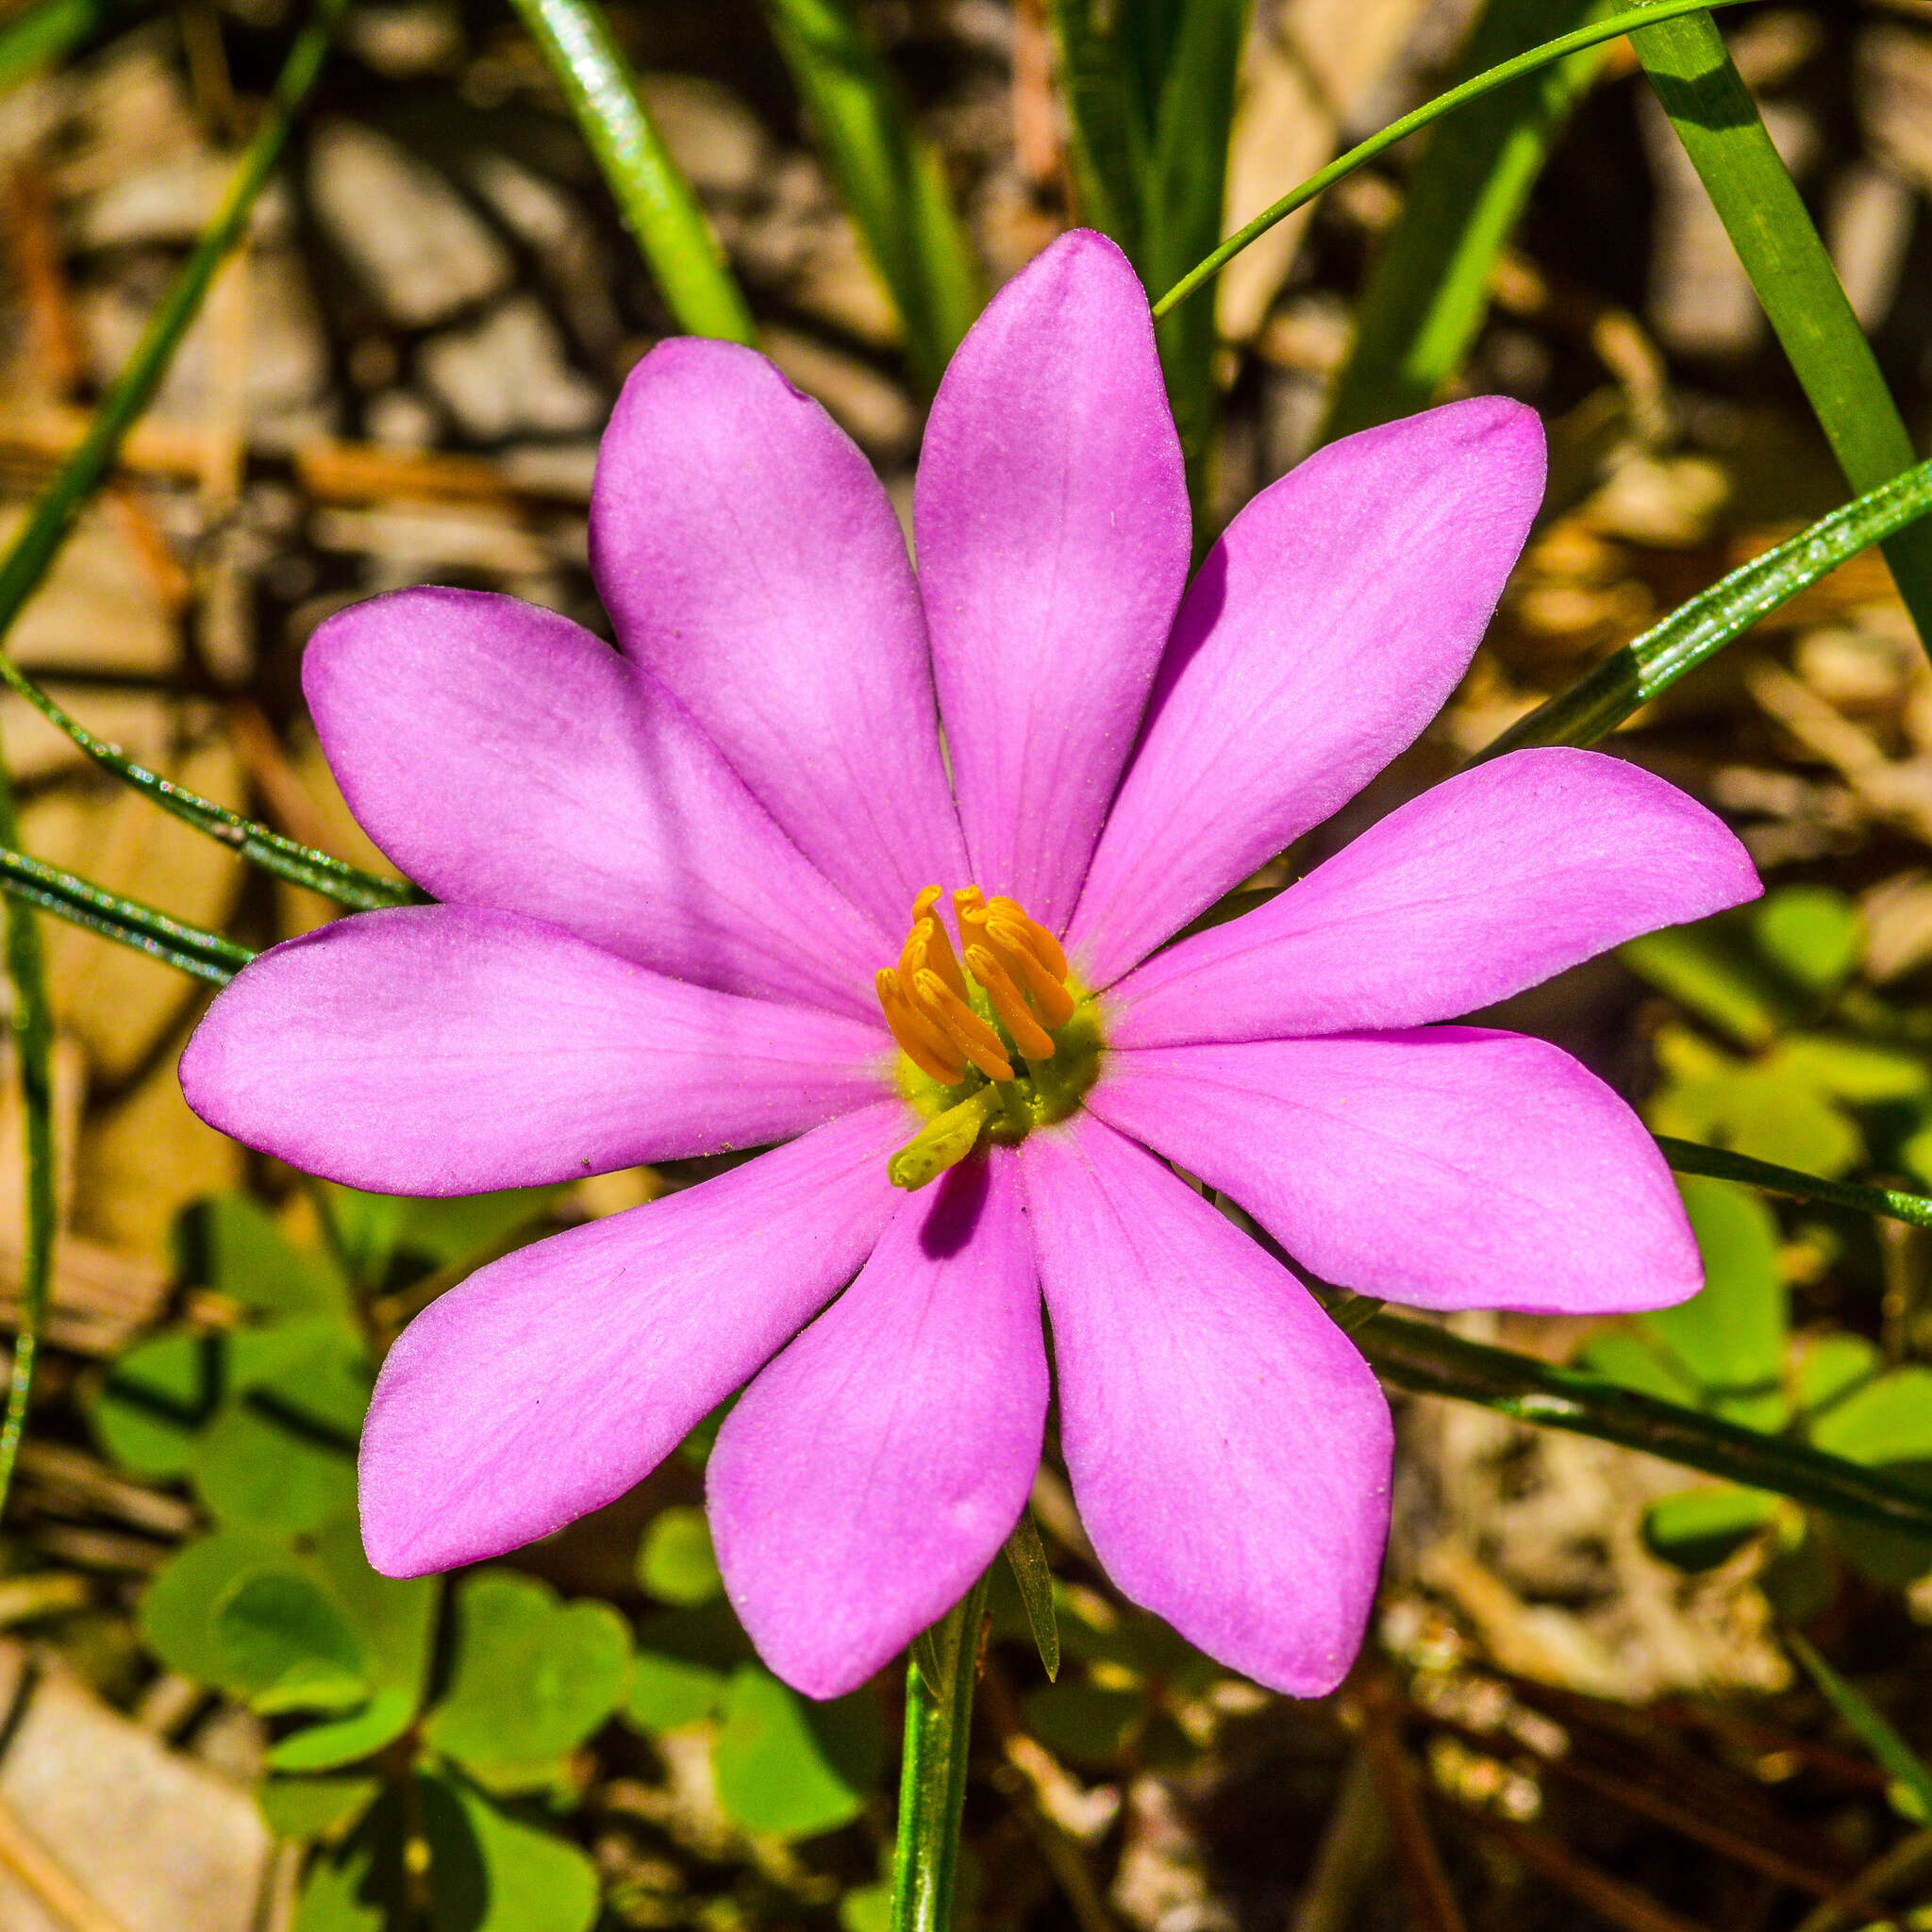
(1044, 945)
(926, 1046)
(927, 946)
(961, 1026)
(1009, 1003)
(1012, 944)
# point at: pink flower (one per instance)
(669, 880)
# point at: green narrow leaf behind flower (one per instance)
(655, 200)
(1601, 700)
(1714, 116)
(1429, 289)
(1431, 1361)
(1150, 89)
(891, 179)
(80, 902)
(1475, 88)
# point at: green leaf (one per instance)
(668, 1692)
(393, 1618)
(1728, 143)
(178, 1611)
(1731, 1335)
(253, 1470)
(154, 1401)
(675, 1561)
(234, 1245)
(1812, 935)
(1700, 968)
(890, 180)
(302, 1809)
(349, 1739)
(1429, 287)
(1698, 1529)
(532, 1677)
(1830, 1367)
(361, 1884)
(283, 1638)
(1027, 1558)
(1084, 1720)
(449, 1231)
(655, 200)
(489, 1872)
(788, 1769)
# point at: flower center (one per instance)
(993, 1048)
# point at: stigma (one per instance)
(996, 1029)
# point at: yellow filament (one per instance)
(963, 1027)
(1009, 1003)
(926, 1046)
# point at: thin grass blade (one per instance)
(1611, 28)
(1688, 1157)
(1429, 289)
(891, 179)
(656, 201)
(1891, 1751)
(1648, 665)
(1431, 1361)
(32, 1025)
(1712, 110)
(81, 902)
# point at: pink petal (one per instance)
(750, 560)
(447, 1050)
(1053, 533)
(1451, 1167)
(1229, 1449)
(552, 1380)
(504, 757)
(1324, 631)
(871, 1474)
(1491, 882)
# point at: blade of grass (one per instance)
(1891, 1751)
(891, 179)
(44, 33)
(1611, 28)
(1431, 1361)
(80, 902)
(1688, 1157)
(655, 200)
(1602, 698)
(1714, 116)
(34, 550)
(1429, 289)
(32, 1025)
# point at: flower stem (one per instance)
(932, 1780)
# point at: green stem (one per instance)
(1612, 29)
(1725, 136)
(932, 1779)
(655, 200)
